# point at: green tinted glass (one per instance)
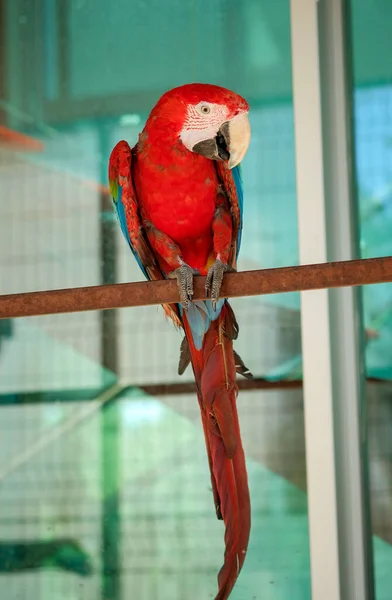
(104, 483)
(371, 25)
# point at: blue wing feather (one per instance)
(237, 176)
(120, 212)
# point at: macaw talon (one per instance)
(215, 278)
(184, 275)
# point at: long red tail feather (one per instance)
(215, 373)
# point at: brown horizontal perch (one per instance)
(248, 283)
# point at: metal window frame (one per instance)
(340, 542)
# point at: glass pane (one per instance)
(105, 488)
(77, 78)
(371, 35)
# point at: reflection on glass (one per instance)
(371, 35)
(104, 489)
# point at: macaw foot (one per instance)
(215, 278)
(184, 276)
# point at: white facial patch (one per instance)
(202, 123)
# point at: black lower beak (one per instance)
(221, 144)
(215, 148)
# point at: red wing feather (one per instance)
(126, 204)
(229, 187)
(215, 374)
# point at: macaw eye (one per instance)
(205, 109)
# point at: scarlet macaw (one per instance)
(178, 198)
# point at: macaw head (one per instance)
(208, 119)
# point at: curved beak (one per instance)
(230, 143)
(237, 137)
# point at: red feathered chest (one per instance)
(176, 190)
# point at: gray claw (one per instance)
(214, 280)
(184, 275)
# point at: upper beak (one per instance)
(230, 143)
(237, 137)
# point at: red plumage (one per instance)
(181, 207)
(215, 373)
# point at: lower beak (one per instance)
(231, 142)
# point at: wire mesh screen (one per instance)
(50, 507)
(135, 517)
(178, 505)
(111, 497)
(49, 224)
